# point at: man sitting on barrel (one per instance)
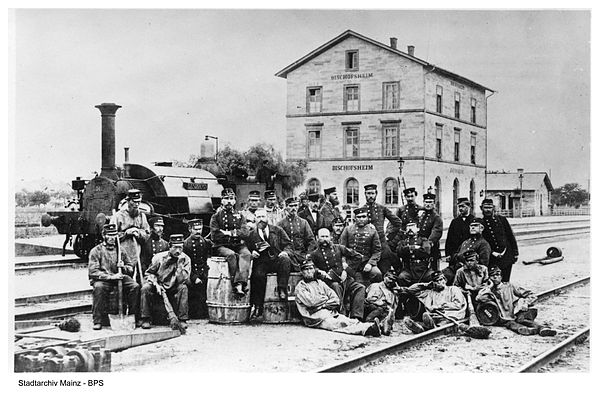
(318, 305)
(169, 272)
(270, 247)
(198, 249)
(228, 227)
(103, 270)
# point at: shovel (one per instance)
(120, 322)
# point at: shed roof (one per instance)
(498, 181)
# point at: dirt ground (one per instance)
(294, 348)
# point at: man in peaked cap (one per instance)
(312, 214)
(458, 231)
(228, 228)
(377, 214)
(475, 243)
(299, 232)
(472, 276)
(169, 271)
(133, 227)
(154, 243)
(274, 213)
(253, 205)
(431, 227)
(198, 249)
(329, 210)
(409, 212)
(103, 270)
(498, 233)
(338, 225)
(362, 237)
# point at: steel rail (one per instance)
(55, 312)
(28, 300)
(380, 352)
(552, 354)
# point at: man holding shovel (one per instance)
(169, 273)
(103, 268)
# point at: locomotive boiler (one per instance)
(175, 193)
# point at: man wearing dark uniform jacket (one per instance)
(198, 249)
(431, 227)
(253, 205)
(377, 214)
(329, 210)
(338, 226)
(330, 259)
(103, 271)
(312, 215)
(298, 230)
(228, 227)
(362, 237)
(271, 248)
(154, 243)
(408, 213)
(459, 229)
(474, 243)
(415, 253)
(499, 234)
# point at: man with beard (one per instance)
(312, 215)
(415, 254)
(132, 227)
(228, 227)
(377, 214)
(169, 272)
(338, 226)
(408, 213)
(329, 210)
(498, 233)
(154, 243)
(459, 229)
(431, 227)
(270, 247)
(318, 305)
(362, 237)
(381, 302)
(103, 271)
(298, 230)
(198, 249)
(253, 205)
(474, 243)
(330, 259)
(303, 203)
(274, 213)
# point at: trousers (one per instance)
(350, 292)
(178, 297)
(101, 290)
(282, 265)
(238, 261)
(340, 323)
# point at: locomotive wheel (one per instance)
(83, 245)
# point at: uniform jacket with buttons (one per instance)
(102, 263)
(152, 246)
(228, 220)
(408, 213)
(314, 226)
(329, 213)
(377, 215)
(365, 241)
(299, 231)
(457, 233)
(198, 249)
(477, 244)
(431, 227)
(415, 253)
(498, 233)
(329, 259)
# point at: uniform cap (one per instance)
(494, 271)
(254, 194)
(193, 222)
(329, 190)
(157, 220)
(314, 197)
(463, 200)
(227, 192)
(134, 194)
(487, 201)
(429, 196)
(338, 220)
(436, 275)
(307, 263)
(477, 221)
(270, 194)
(470, 254)
(176, 239)
(409, 190)
(360, 211)
(371, 186)
(291, 200)
(109, 229)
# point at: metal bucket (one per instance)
(554, 252)
(223, 306)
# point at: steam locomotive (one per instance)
(175, 193)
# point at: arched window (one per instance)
(351, 188)
(472, 194)
(390, 186)
(314, 186)
(455, 191)
(438, 192)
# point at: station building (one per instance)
(520, 193)
(363, 112)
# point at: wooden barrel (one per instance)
(276, 311)
(223, 306)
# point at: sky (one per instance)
(182, 74)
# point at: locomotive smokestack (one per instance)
(108, 111)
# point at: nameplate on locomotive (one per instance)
(195, 186)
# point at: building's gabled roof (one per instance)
(349, 33)
(508, 181)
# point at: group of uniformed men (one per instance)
(357, 276)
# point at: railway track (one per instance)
(368, 358)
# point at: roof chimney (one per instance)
(108, 111)
(394, 43)
(411, 50)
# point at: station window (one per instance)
(314, 99)
(351, 60)
(391, 191)
(473, 146)
(313, 186)
(438, 140)
(351, 98)
(438, 98)
(390, 141)
(391, 96)
(351, 148)
(314, 144)
(473, 110)
(457, 105)
(352, 191)
(456, 144)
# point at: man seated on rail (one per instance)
(103, 270)
(381, 302)
(154, 243)
(318, 305)
(434, 298)
(472, 276)
(514, 305)
(169, 272)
